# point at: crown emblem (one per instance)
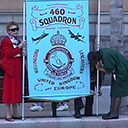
(58, 39)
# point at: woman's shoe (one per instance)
(17, 117)
(106, 115)
(111, 116)
(77, 115)
(10, 119)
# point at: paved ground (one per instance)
(67, 122)
(65, 119)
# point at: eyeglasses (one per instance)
(14, 29)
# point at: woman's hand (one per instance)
(24, 53)
(22, 44)
(99, 67)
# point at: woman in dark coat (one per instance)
(11, 60)
(115, 64)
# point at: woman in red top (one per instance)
(11, 59)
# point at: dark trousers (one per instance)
(88, 105)
(78, 105)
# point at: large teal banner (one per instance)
(57, 48)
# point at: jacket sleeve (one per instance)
(8, 50)
(7, 56)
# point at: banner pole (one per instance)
(98, 47)
(23, 79)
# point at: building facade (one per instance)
(12, 10)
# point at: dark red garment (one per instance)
(12, 85)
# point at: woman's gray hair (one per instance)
(10, 24)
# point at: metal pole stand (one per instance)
(54, 106)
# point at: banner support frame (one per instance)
(98, 47)
(23, 75)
